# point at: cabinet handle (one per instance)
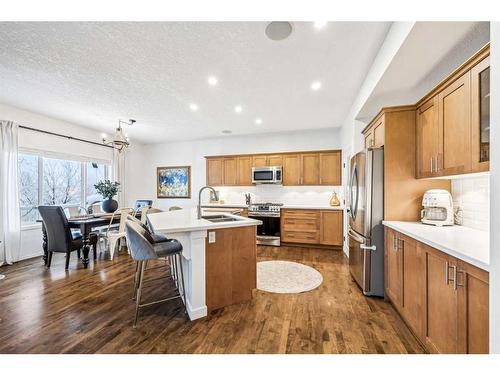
(432, 163)
(394, 244)
(401, 244)
(455, 283)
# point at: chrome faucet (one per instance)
(199, 198)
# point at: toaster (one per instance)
(437, 208)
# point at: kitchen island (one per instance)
(218, 257)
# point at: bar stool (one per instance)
(144, 248)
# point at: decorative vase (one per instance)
(109, 205)
(334, 201)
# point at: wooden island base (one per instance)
(231, 266)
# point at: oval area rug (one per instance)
(279, 276)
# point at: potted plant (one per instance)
(108, 190)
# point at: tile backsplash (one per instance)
(472, 195)
(300, 195)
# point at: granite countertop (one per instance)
(467, 244)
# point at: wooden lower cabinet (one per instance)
(442, 299)
(473, 304)
(313, 227)
(231, 266)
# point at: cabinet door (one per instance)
(480, 89)
(310, 169)
(330, 168)
(413, 283)
(473, 308)
(230, 171)
(441, 318)
(244, 169)
(379, 133)
(275, 160)
(393, 268)
(331, 228)
(214, 172)
(291, 169)
(454, 154)
(427, 138)
(259, 161)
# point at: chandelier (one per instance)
(119, 141)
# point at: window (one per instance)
(51, 181)
(28, 187)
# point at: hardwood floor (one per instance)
(91, 311)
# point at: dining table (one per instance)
(86, 224)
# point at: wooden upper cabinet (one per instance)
(473, 309)
(291, 169)
(379, 133)
(454, 156)
(427, 138)
(215, 172)
(330, 166)
(331, 228)
(259, 161)
(306, 168)
(480, 89)
(244, 168)
(310, 169)
(393, 268)
(275, 160)
(369, 140)
(230, 171)
(441, 320)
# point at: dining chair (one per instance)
(175, 208)
(114, 236)
(144, 210)
(144, 249)
(60, 238)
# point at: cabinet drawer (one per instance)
(299, 224)
(300, 214)
(300, 237)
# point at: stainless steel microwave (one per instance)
(267, 175)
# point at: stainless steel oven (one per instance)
(270, 214)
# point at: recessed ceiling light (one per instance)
(238, 109)
(212, 81)
(320, 24)
(316, 85)
(226, 132)
(258, 121)
(193, 107)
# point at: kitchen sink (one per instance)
(219, 218)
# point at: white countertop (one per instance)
(313, 207)
(228, 205)
(294, 206)
(467, 244)
(187, 221)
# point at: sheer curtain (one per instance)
(10, 226)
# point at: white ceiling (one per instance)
(92, 74)
(430, 53)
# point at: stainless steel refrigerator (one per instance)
(366, 211)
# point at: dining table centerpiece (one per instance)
(108, 190)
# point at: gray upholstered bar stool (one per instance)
(144, 248)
